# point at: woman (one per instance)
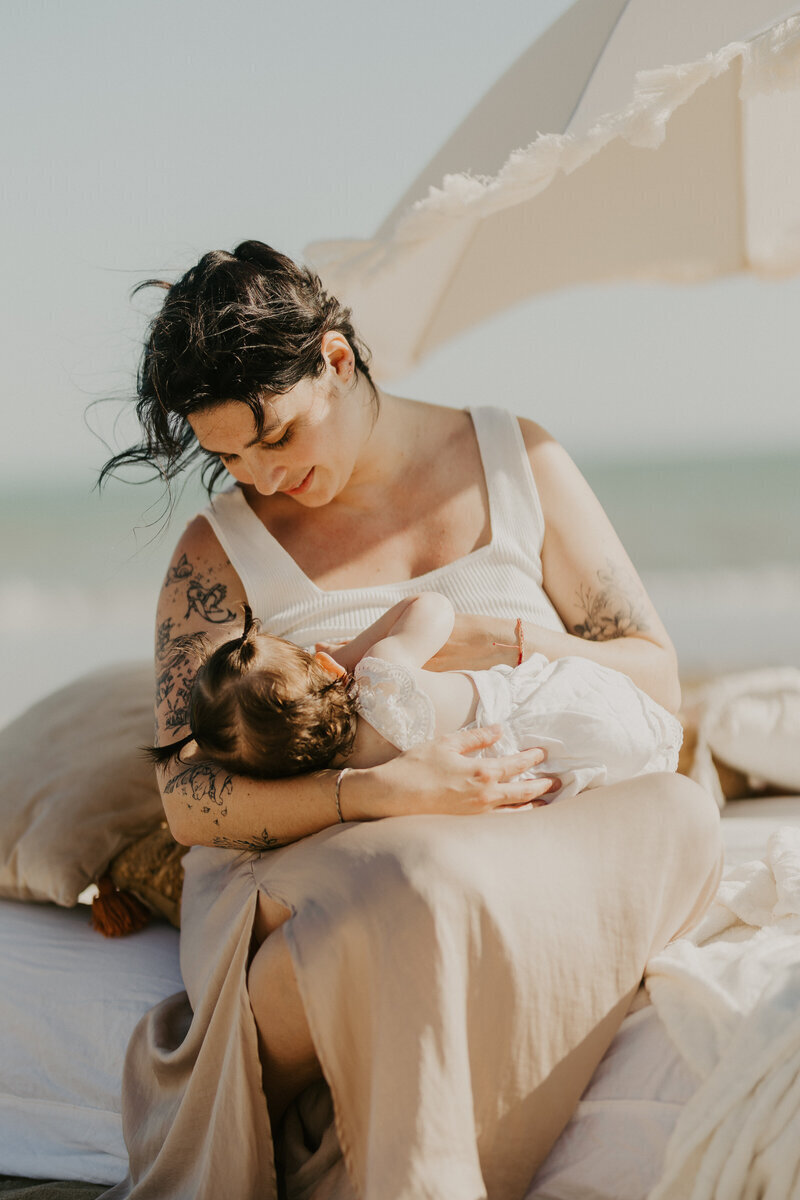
(455, 981)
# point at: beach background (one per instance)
(140, 136)
(715, 539)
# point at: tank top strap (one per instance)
(515, 508)
(269, 575)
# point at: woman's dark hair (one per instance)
(235, 327)
(260, 721)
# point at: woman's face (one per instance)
(310, 443)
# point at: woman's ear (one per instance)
(329, 664)
(338, 353)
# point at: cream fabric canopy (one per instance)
(634, 140)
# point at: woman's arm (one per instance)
(207, 806)
(592, 583)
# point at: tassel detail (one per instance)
(115, 913)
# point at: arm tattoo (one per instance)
(205, 785)
(176, 674)
(207, 602)
(163, 639)
(174, 681)
(607, 610)
(264, 842)
(181, 570)
(178, 705)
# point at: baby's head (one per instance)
(263, 707)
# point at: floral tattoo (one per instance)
(607, 609)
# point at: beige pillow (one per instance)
(751, 721)
(75, 788)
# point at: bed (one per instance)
(71, 998)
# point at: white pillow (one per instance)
(69, 1001)
(751, 722)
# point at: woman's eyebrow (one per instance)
(270, 427)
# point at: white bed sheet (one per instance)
(70, 998)
(613, 1148)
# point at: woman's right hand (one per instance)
(439, 777)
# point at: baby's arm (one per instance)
(410, 632)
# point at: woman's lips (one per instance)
(301, 487)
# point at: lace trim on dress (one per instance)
(390, 700)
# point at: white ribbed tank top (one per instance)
(501, 579)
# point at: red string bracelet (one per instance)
(519, 633)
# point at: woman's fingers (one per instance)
(499, 777)
(445, 775)
(521, 791)
(513, 765)
(467, 741)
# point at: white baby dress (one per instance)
(596, 725)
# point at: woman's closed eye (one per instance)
(283, 440)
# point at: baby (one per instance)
(264, 707)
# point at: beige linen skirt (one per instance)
(462, 977)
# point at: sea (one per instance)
(716, 541)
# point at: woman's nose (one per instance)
(268, 478)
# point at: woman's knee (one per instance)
(689, 825)
(419, 863)
(399, 877)
(689, 809)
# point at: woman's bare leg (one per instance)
(288, 1059)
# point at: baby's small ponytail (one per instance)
(231, 661)
(245, 650)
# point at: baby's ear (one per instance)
(329, 664)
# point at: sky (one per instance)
(139, 135)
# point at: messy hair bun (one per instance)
(235, 327)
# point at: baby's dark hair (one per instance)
(265, 720)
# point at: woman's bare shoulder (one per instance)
(536, 438)
(552, 467)
(198, 546)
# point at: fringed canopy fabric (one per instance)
(633, 140)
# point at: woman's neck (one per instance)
(388, 455)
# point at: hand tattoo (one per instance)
(609, 612)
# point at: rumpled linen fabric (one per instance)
(729, 996)
(458, 973)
